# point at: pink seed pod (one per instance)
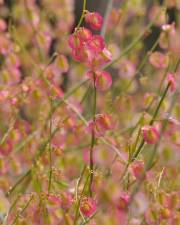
(103, 81)
(84, 55)
(103, 123)
(123, 202)
(172, 125)
(165, 213)
(6, 148)
(127, 69)
(150, 134)
(106, 55)
(171, 82)
(88, 206)
(3, 166)
(84, 34)
(61, 63)
(138, 169)
(66, 200)
(102, 58)
(159, 60)
(94, 19)
(74, 42)
(53, 199)
(96, 44)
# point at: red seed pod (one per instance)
(88, 206)
(53, 199)
(66, 200)
(150, 134)
(138, 169)
(123, 202)
(94, 19)
(102, 123)
(84, 34)
(74, 41)
(6, 148)
(96, 44)
(103, 80)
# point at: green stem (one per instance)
(25, 207)
(106, 16)
(50, 153)
(93, 139)
(150, 162)
(82, 15)
(79, 201)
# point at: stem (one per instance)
(138, 151)
(85, 222)
(79, 201)
(50, 153)
(159, 105)
(150, 162)
(41, 150)
(101, 138)
(82, 15)
(135, 155)
(108, 10)
(25, 207)
(27, 174)
(91, 163)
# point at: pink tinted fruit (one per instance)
(88, 206)
(94, 19)
(150, 134)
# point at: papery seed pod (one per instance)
(159, 60)
(74, 41)
(66, 200)
(61, 63)
(96, 44)
(123, 201)
(88, 206)
(138, 169)
(84, 34)
(102, 123)
(6, 148)
(94, 19)
(103, 81)
(150, 134)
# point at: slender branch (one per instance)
(82, 15)
(22, 211)
(108, 10)
(93, 139)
